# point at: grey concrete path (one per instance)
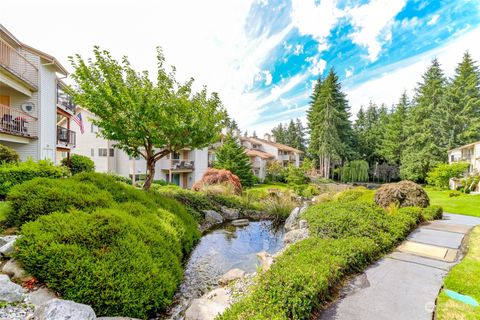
(404, 285)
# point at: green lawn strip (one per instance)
(467, 204)
(464, 279)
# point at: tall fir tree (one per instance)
(426, 144)
(299, 142)
(312, 121)
(231, 156)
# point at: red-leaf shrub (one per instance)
(219, 176)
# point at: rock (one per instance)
(292, 220)
(9, 291)
(13, 269)
(303, 224)
(240, 222)
(57, 309)
(116, 318)
(213, 217)
(256, 215)
(209, 306)
(295, 235)
(266, 260)
(231, 275)
(7, 245)
(41, 296)
(230, 213)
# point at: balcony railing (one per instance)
(15, 63)
(64, 100)
(16, 122)
(179, 164)
(65, 137)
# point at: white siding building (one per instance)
(183, 168)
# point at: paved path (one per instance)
(404, 285)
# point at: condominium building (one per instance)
(35, 112)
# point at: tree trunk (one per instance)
(150, 173)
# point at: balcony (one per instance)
(182, 165)
(65, 138)
(64, 101)
(16, 64)
(18, 123)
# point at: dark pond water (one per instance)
(219, 251)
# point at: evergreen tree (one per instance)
(312, 120)
(426, 144)
(279, 133)
(254, 134)
(299, 142)
(394, 137)
(231, 156)
(461, 114)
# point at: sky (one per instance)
(262, 56)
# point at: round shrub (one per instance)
(219, 176)
(42, 196)
(111, 260)
(78, 163)
(8, 155)
(402, 194)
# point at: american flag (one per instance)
(78, 120)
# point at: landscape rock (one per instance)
(41, 296)
(13, 269)
(240, 222)
(213, 217)
(116, 318)
(9, 291)
(266, 260)
(295, 235)
(403, 194)
(256, 214)
(57, 309)
(7, 245)
(231, 275)
(209, 306)
(302, 224)
(292, 220)
(230, 213)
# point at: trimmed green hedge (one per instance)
(117, 263)
(12, 174)
(77, 163)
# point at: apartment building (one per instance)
(182, 168)
(34, 113)
(469, 153)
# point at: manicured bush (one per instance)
(78, 163)
(118, 263)
(12, 174)
(8, 155)
(443, 172)
(42, 196)
(219, 176)
(432, 213)
(358, 193)
(402, 194)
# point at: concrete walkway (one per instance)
(404, 285)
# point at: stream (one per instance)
(219, 251)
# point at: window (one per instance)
(102, 152)
(93, 128)
(112, 152)
(92, 152)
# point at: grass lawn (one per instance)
(464, 278)
(464, 204)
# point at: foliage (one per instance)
(8, 155)
(385, 172)
(110, 260)
(292, 135)
(231, 156)
(12, 174)
(42, 196)
(219, 176)
(355, 171)
(144, 118)
(275, 172)
(296, 178)
(464, 279)
(402, 194)
(440, 175)
(78, 163)
(280, 206)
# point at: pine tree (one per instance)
(279, 133)
(426, 145)
(299, 142)
(461, 116)
(312, 120)
(231, 156)
(394, 138)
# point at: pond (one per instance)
(219, 251)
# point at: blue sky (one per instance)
(262, 56)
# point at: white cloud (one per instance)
(268, 77)
(372, 22)
(317, 65)
(433, 20)
(404, 75)
(298, 49)
(280, 89)
(349, 72)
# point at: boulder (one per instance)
(41, 296)
(303, 224)
(213, 217)
(13, 269)
(209, 306)
(57, 309)
(231, 275)
(240, 222)
(230, 213)
(266, 260)
(116, 318)
(7, 245)
(9, 291)
(256, 214)
(403, 194)
(292, 220)
(295, 235)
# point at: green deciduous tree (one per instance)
(145, 118)
(231, 156)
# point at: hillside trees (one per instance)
(292, 135)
